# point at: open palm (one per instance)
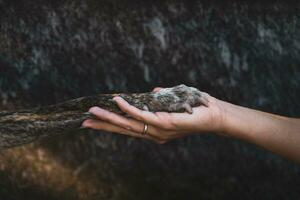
(162, 126)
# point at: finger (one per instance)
(158, 135)
(157, 89)
(141, 115)
(121, 121)
(204, 99)
(116, 119)
(105, 126)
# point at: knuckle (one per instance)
(127, 127)
(167, 125)
(139, 115)
(172, 123)
(109, 117)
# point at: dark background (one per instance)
(247, 53)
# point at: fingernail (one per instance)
(96, 109)
(117, 97)
(85, 124)
(93, 109)
(82, 127)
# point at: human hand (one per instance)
(162, 126)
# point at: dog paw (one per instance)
(177, 99)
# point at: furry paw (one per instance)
(177, 99)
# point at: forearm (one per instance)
(278, 134)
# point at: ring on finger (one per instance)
(145, 129)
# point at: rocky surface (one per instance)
(245, 53)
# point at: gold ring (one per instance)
(145, 129)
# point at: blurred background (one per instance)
(247, 53)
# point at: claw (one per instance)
(145, 107)
(204, 101)
(199, 94)
(188, 108)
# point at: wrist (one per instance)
(218, 115)
(224, 118)
(236, 120)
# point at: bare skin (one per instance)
(278, 134)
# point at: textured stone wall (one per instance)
(245, 53)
